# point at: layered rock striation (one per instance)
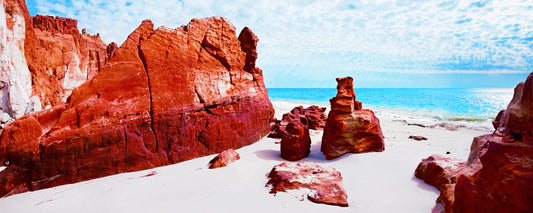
(165, 96)
(15, 77)
(70, 57)
(42, 60)
(504, 183)
(349, 128)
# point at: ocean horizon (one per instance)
(446, 104)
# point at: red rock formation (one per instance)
(166, 96)
(349, 128)
(313, 117)
(325, 183)
(45, 59)
(296, 142)
(504, 183)
(224, 158)
(60, 58)
(443, 172)
(15, 78)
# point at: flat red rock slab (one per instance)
(324, 182)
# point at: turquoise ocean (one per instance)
(457, 104)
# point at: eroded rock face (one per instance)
(443, 172)
(313, 117)
(504, 183)
(15, 77)
(166, 96)
(42, 60)
(60, 58)
(324, 182)
(296, 142)
(349, 128)
(224, 158)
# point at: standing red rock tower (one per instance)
(349, 128)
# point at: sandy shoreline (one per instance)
(374, 182)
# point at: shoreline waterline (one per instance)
(477, 107)
(395, 115)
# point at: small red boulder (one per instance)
(224, 158)
(296, 142)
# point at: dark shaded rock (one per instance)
(313, 117)
(418, 138)
(296, 142)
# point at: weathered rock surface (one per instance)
(224, 158)
(349, 128)
(443, 172)
(15, 77)
(43, 60)
(504, 183)
(324, 182)
(313, 117)
(296, 142)
(60, 58)
(165, 96)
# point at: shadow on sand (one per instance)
(315, 156)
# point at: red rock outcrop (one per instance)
(349, 128)
(60, 58)
(15, 78)
(313, 117)
(325, 183)
(166, 96)
(296, 142)
(45, 59)
(504, 183)
(224, 158)
(443, 172)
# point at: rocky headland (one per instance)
(164, 96)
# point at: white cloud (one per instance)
(469, 36)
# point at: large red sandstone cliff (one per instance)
(71, 58)
(45, 59)
(165, 96)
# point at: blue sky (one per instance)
(380, 43)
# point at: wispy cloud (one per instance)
(392, 36)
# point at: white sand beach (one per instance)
(374, 182)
